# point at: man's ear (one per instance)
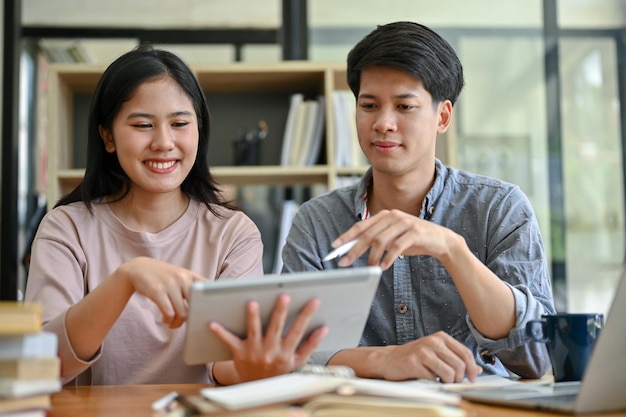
(444, 110)
(107, 137)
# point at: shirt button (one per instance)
(402, 308)
(431, 210)
(401, 256)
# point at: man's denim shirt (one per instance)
(416, 296)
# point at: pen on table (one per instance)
(340, 251)
(163, 402)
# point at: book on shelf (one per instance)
(30, 368)
(313, 134)
(347, 150)
(18, 317)
(305, 123)
(342, 129)
(13, 406)
(29, 345)
(292, 126)
(357, 157)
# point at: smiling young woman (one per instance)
(112, 263)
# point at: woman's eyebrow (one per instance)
(151, 116)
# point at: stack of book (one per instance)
(30, 370)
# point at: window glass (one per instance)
(592, 165)
(592, 14)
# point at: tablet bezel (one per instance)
(345, 294)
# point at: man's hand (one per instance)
(393, 233)
(437, 357)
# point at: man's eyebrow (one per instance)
(403, 95)
(407, 95)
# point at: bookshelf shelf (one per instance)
(271, 175)
(68, 179)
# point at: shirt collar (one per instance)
(361, 193)
(428, 205)
(432, 196)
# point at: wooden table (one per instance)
(136, 400)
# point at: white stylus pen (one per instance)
(341, 250)
(163, 402)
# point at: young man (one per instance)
(464, 262)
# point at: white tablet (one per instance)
(345, 294)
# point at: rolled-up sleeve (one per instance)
(515, 253)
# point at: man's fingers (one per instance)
(437, 361)
(442, 356)
(450, 367)
(459, 357)
(471, 368)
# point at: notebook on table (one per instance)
(602, 387)
(345, 296)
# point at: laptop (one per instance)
(603, 386)
(345, 296)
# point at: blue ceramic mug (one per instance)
(570, 339)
